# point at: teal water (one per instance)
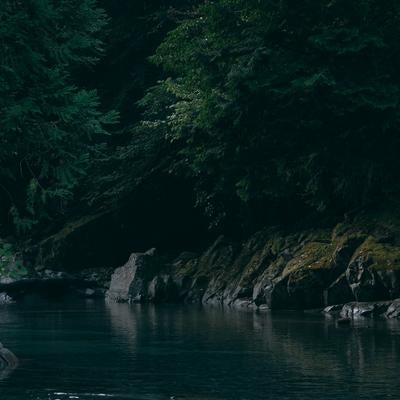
(91, 350)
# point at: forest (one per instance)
(204, 117)
(199, 199)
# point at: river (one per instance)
(92, 350)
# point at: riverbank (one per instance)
(354, 262)
(273, 269)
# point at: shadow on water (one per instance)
(96, 350)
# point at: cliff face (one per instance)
(273, 269)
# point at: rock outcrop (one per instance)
(137, 280)
(272, 269)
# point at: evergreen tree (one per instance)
(50, 129)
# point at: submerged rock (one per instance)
(7, 358)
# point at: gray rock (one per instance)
(130, 282)
(364, 282)
(335, 309)
(5, 298)
(393, 310)
(364, 309)
(6, 280)
(304, 270)
(7, 358)
(215, 292)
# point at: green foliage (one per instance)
(282, 103)
(10, 264)
(50, 129)
(267, 109)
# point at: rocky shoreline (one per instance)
(356, 266)
(354, 310)
(271, 270)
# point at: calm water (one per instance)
(95, 351)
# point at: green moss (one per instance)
(313, 255)
(383, 256)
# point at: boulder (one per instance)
(130, 283)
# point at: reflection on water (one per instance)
(93, 350)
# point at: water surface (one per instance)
(92, 350)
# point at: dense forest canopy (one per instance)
(49, 126)
(261, 110)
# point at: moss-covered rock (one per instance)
(278, 269)
(379, 255)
